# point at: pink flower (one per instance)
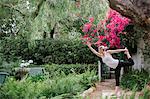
(101, 37)
(86, 27)
(107, 29)
(104, 44)
(111, 43)
(95, 31)
(92, 34)
(89, 39)
(111, 26)
(120, 28)
(91, 19)
(108, 38)
(85, 36)
(98, 42)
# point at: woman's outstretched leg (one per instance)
(129, 62)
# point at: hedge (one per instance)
(56, 51)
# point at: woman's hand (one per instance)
(126, 50)
(88, 43)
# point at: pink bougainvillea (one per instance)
(108, 31)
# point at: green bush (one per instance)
(13, 89)
(135, 78)
(37, 78)
(61, 52)
(71, 84)
(88, 79)
(9, 66)
(13, 48)
(62, 86)
(57, 51)
(146, 94)
(56, 69)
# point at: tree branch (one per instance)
(12, 7)
(137, 10)
(35, 14)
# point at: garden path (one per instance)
(105, 89)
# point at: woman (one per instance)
(111, 62)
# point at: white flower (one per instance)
(22, 61)
(27, 2)
(22, 65)
(30, 61)
(27, 64)
(27, 7)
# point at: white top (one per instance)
(110, 61)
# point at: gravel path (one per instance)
(105, 89)
(106, 85)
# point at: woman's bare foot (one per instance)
(127, 53)
(117, 92)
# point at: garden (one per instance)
(44, 52)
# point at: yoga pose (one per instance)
(111, 62)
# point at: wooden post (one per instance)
(99, 71)
(121, 73)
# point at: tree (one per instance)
(139, 12)
(40, 17)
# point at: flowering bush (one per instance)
(108, 32)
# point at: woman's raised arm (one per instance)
(117, 50)
(92, 49)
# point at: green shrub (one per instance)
(88, 79)
(61, 52)
(135, 78)
(57, 51)
(62, 86)
(9, 66)
(146, 94)
(13, 48)
(56, 69)
(13, 89)
(37, 78)
(71, 84)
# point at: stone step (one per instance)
(110, 94)
(107, 94)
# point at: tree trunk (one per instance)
(35, 14)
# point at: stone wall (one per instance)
(142, 57)
(139, 57)
(146, 53)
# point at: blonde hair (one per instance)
(101, 50)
